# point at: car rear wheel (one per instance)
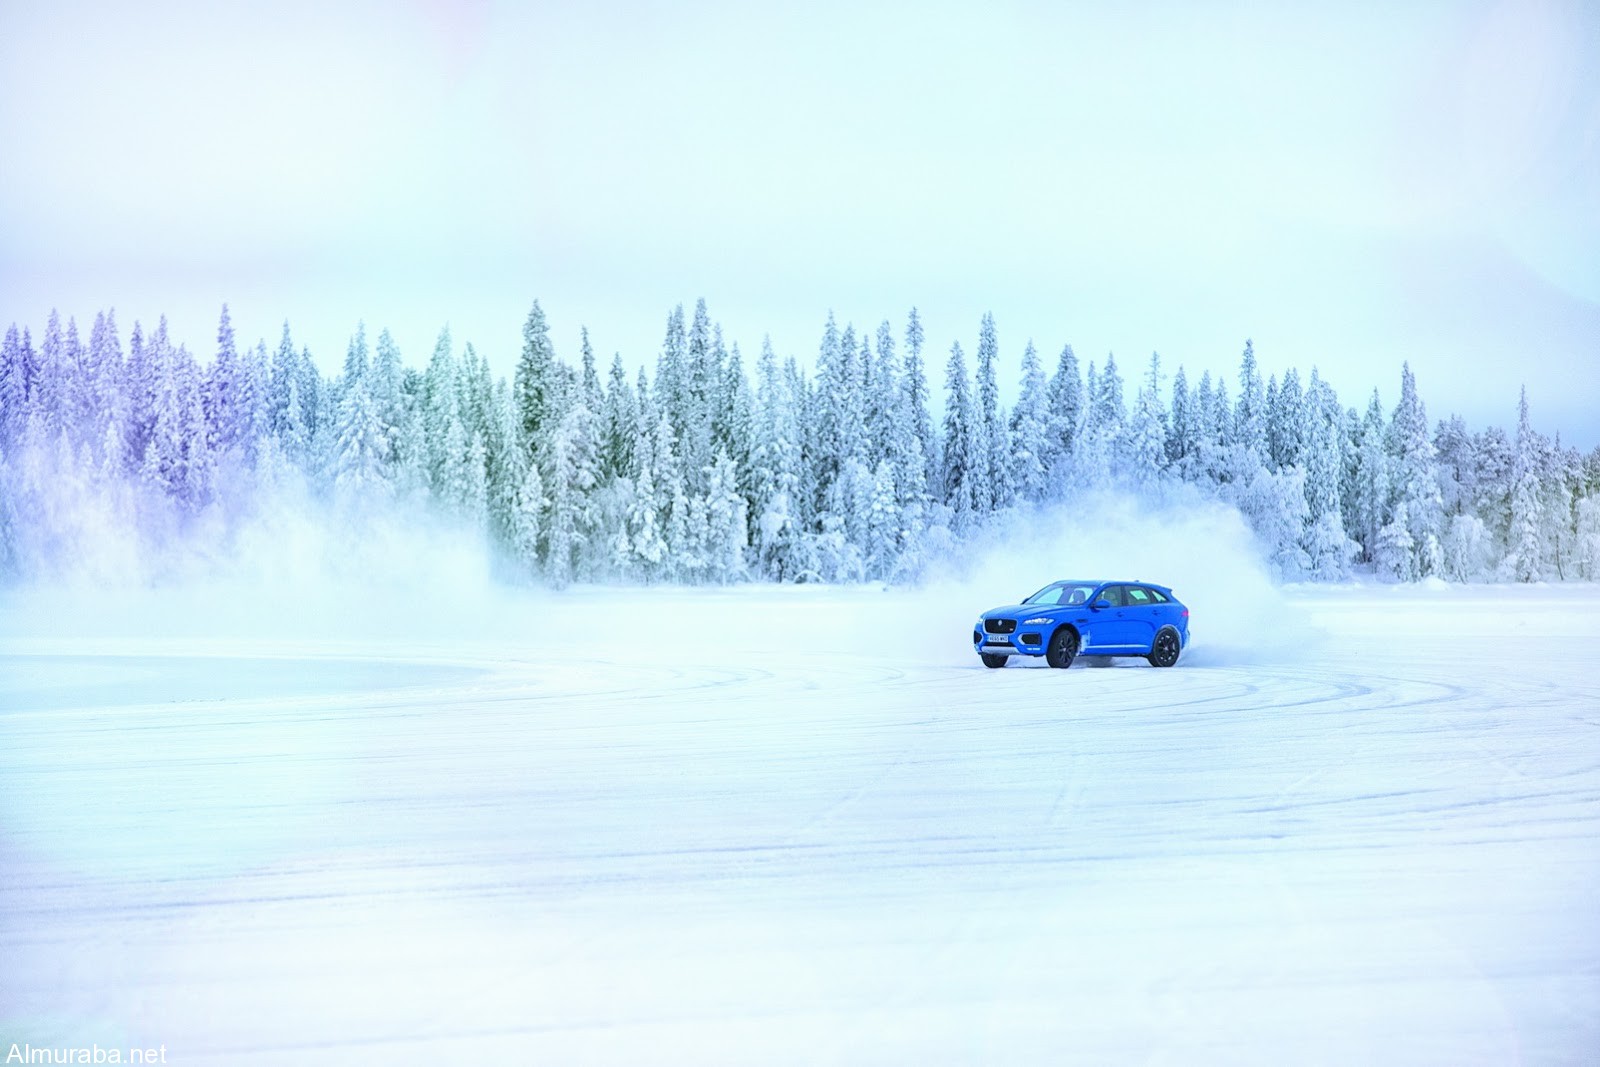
(993, 661)
(1164, 653)
(1063, 647)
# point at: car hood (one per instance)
(1020, 611)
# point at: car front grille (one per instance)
(999, 626)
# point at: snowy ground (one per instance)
(801, 826)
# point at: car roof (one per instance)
(1110, 581)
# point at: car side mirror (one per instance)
(1102, 604)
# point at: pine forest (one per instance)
(847, 468)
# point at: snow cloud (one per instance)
(1202, 549)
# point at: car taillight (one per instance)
(1186, 613)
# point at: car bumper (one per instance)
(1014, 644)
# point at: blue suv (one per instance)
(1067, 619)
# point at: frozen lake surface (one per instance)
(800, 826)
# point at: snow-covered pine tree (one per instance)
(80, 403)
(46, 398)
(995, 439)
(360, 474)
(733, 423)
(505, 465)
(222, 391)
(882, 392)
(727, 523)
(1269, 405)
(475, 393)
(915, 396)
(1468, 552)
(356, 359)
(441, 423)
(411, 469)
(692, 418)
(1182, 427)
(1286, 422)
(1586, 547)
(108, 418)
(848, 516)
(102, 400)
(906, 450)
(534, 380)
(1249, 414)
(1415, 477)
(1558, 482)
(27, 375)
(283, 392)
(619, 416)
(577, 434)
(1274, 503)
(1032, 442)
(527, 529)
(453, 478)
(681, 560)
(1394, 553)
(1494, 462)
(846, 403)
(255, 399)
(1066, 412)
(1111, 411)
(177, 460)
(883, 523)
(384, 383)
(1367, 510)
(1456, 465)
(13, 388)
(1100, 450)
(781, 519)
(318, 407)
(646, 518)
(1147, 432)
(1328, 548)
(960, 475)
(562, 534)
(672, 369)
(1208, 433)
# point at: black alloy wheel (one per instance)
(1063, 648)
(1164, 653)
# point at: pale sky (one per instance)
(1351, 185)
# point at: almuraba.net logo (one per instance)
(87, 1054)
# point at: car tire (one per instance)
(993, 662)
(1063, 648)
(1164, 651)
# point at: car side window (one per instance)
(1157, 596)
(1113, 595)
(1137, 598)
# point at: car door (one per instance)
(1110, 628)
(1143, 616)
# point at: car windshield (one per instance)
(1068, 593)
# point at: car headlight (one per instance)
(1040, 621)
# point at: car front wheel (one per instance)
(1063, 648)
(993, 661)
(1164, 653)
